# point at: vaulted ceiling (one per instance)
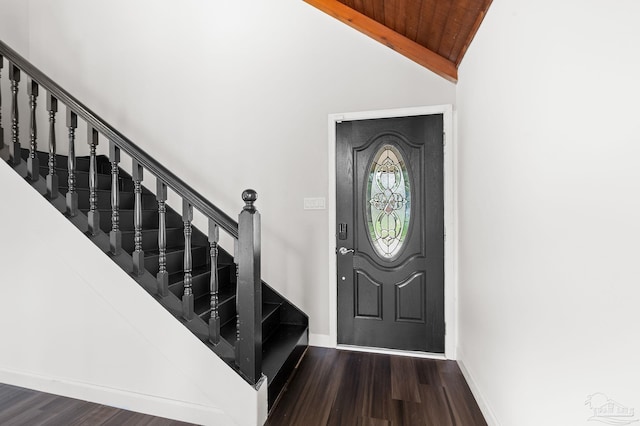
(433, 33)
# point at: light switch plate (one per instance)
(315, 203)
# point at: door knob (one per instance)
(344, 250)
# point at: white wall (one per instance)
(233, 95)
(14, 24)
(549, 212)
(73, 323)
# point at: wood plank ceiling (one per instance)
(433, 33)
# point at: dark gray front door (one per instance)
(390, 233)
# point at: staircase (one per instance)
(218, 296)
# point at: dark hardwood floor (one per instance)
(333, 387)
(22, 407)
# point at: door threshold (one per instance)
(386, 351)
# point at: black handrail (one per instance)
(93, 119)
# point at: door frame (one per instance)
(450, 224)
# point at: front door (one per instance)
(390, 233)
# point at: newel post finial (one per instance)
(249, 196)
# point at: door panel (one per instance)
(368, 296)
(410, 301)
(390, 223)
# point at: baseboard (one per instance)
(488, 414)
(127, 400)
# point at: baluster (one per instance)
(94, 215)
(14, 76)
(33, 163)
(236, 262)
(138, 254)
(52, 177)
(115, 237)
(214, 319)
(1, 129)
(249, 291)
(187, 297)
(72, 195)
(163, 275)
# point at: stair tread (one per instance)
(178, 277)
(131, 231)
(279, 346)
(202, 305)
(268, 308)
(120, 210)
(228, 329)
(229, 293)
(171, 250)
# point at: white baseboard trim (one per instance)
(489, 416)
(127, 400)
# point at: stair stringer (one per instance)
(72, 322)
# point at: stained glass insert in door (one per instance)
(388, 201)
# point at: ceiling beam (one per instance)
(401, 44)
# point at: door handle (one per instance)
(344, 250)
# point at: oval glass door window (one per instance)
(388, 202)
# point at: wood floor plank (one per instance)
(370, 421)
(377, 386)
(16, 406)
(61, 411)
(347, 407)
(404, 380)
(32, 414)
(406, 413)
(463, 406)
(14, 397)
(97, 416)
(435, 407)
(429, 371)
(27, 412)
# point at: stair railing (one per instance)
(246, 233)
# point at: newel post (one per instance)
(249, 293)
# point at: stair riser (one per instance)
(175, 237)
(228, 313)
(82, 179)
(175, 261)
(227, 310)
(202, 284)
(270, 324)
(149, 220)
(82, 163)
(127, 200)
